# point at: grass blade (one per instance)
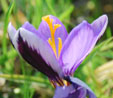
(4, 40)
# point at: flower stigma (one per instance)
(51, 40)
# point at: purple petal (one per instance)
(76, 46)
(60, 32)
(63, 92)
(37, 52)
(77, 82)
(79, 44)
(44, 30)
(70, 92)
(29, 27)
(78, 93)
(80, 84)
(77, 89)
(100, 24)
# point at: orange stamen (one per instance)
(51, 40)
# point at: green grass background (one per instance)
(19, 80)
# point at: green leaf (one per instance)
(109, 33)
(108, 54)
(4, 40)
(50, 7)
(66, 13)
(38, 8)
(97, 49)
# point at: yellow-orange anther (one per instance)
(66, 83)
(59, 46)
(52, 45)
(51, 40)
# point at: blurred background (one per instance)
(19, 80)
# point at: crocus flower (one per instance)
(57, 54)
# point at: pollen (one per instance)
(51, 40)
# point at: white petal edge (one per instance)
(11, 31)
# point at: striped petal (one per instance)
(37, 52)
